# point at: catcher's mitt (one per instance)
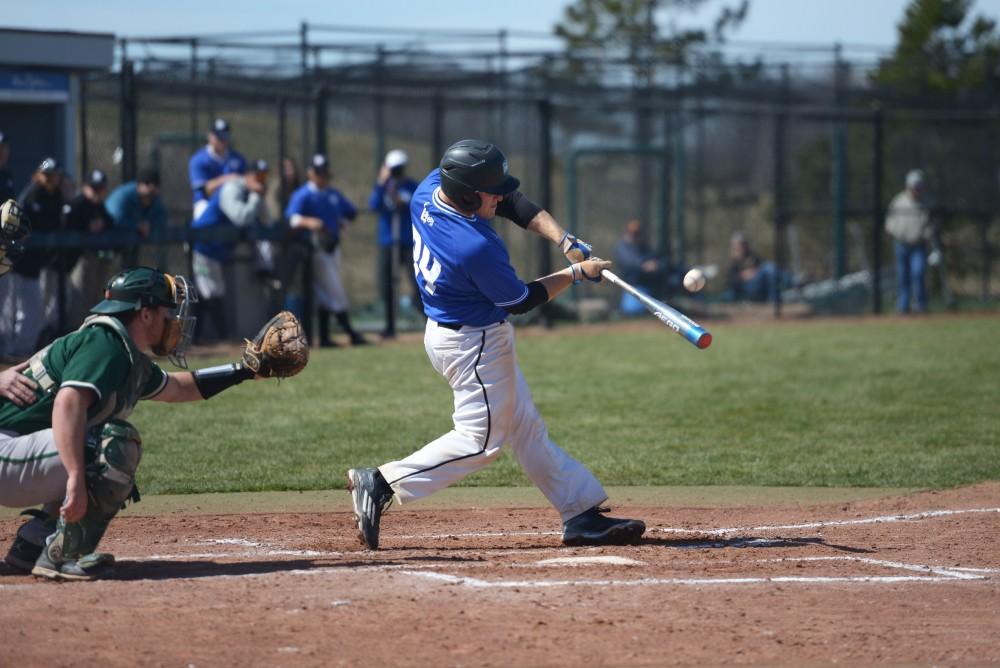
(280, 348)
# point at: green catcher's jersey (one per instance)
(98, 358)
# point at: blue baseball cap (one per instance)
(259, 165)
(220, 128)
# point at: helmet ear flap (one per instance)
(464, 196)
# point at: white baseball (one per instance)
(694, 280)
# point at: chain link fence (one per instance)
(803, 169)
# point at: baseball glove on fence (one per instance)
(280, 348)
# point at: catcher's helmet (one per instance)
(136, 287)
(472, 166)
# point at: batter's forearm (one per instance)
(545, 226)
(557, 282)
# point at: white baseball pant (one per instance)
(31, 471)
(209, 276)
(493, 406)
(22, 314)
(327, 283)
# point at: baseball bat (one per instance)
(669, 316)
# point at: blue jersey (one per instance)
(393, 224)
(329, 205)
(213, 217)
(204, 167)
(462, 267)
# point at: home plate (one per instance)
(579, 561)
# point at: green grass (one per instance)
(889, 403)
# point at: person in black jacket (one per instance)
(89, 269)
(6, 178)
(22, 309)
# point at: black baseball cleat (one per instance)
(29, 541)
(591, 527)
(371, 495)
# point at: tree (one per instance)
(943, 55)
(599, 32)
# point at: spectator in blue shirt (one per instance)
(390, 199)
(237, 204)
(638, 265)
(136, 206)
(213, 165)
(323, 211)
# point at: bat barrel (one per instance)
(669, 316)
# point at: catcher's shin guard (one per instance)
(30, 540)
(112, 459)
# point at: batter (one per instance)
(469, 289)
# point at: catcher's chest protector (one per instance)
(120, 403)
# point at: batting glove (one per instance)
(575, 250)
(589, 269)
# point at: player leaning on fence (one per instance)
(469, 290)
(64, 441)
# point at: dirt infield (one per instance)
(914, 579)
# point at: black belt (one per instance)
(456, 327)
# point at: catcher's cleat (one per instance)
(94, 566)
(29, 541)
(591, 527)
(371, 495)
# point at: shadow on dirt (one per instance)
(127, 570)
(748, 542)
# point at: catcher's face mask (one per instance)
(178, 330)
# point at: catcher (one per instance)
(13, 229)
(69, 447)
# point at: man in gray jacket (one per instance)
(909, 224)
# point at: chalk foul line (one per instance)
(830, 523)
(477, 583)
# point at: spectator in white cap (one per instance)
(909, 224)
(213, 165)
(390, 199)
